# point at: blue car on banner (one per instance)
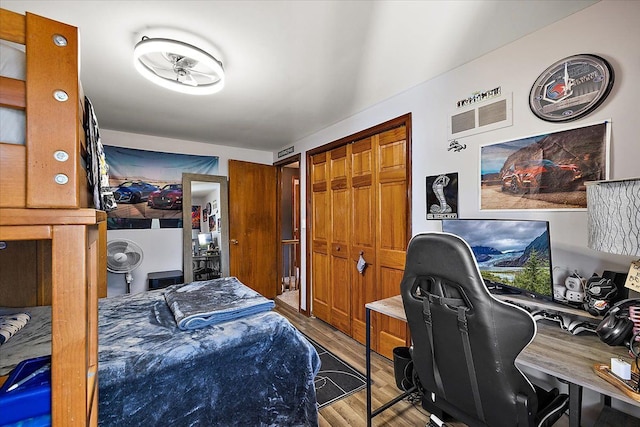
(134, 191)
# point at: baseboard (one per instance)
(286, 307)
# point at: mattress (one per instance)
(12, 65)
(33, 340)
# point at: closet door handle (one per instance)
(234, 241)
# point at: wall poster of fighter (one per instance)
(546, 171)
(442, 196)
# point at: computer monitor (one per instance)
(204, 240)
(514, 256)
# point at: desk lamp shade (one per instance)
(613, 209)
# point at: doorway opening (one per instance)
(289, 225)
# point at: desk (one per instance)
(206, 266)
(553, 351)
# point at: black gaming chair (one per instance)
(465, 341)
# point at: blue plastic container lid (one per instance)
(29, 404)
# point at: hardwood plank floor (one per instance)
(352, 410)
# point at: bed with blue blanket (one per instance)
(232, 362)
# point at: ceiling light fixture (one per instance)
(178, 66)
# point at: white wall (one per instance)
(163, 247)
(610, 29)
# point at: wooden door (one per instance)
(320, 227)
(253, 240)
(340, 261)
(363, 233)
(392, 217)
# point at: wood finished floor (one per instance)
(352, 410)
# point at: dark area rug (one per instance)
(336, 379)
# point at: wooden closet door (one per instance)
(363, 233)
(392, 189)
(340, 263)
(319, 177)
(360, 200)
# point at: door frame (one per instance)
(279, 166)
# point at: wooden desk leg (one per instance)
(575, 405)
(368, 363)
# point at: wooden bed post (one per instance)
(53, 138)
(74, 317)
(54, 241)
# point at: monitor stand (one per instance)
(499, 289)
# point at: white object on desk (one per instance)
(559, 291)
(621, 368)
(575, 296)
(574, 283)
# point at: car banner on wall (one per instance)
(147, 185)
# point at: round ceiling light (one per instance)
(178, 66)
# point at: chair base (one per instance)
(435, 421)
(432, 409)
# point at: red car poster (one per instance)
(546, 171)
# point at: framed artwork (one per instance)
(212, 223)
(544, 172)
(195, 217)
(442, 196)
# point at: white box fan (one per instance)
(123, 256)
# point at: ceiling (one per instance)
(292, 67)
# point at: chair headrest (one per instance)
(446, 257)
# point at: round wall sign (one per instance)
(571, 88)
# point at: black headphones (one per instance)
(616, 328)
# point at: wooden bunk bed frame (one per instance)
(55, 250)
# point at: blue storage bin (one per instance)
(29, 404)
